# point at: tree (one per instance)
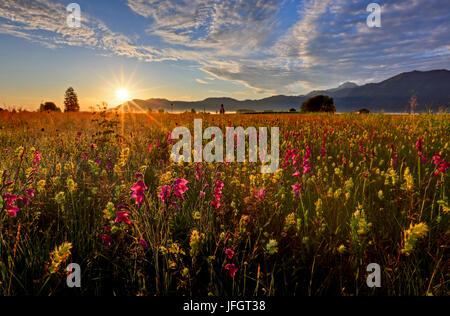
(292, 110)
(320, 103)
(71, 101)
(49, 106)
(364, 111)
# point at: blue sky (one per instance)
(193, 49)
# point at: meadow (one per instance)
(100, 190)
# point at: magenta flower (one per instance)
(260, 195)
(10, 206)
(232, 269)
(165, 193)
(297, 188)
(122, 217)
(30, 192)
(180, 188)
(441, 166)
(37, 158)
(138, 192)
(217, 194)
(229, 253)
(106, 239)
(143, 243)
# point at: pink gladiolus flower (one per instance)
(10, 200)
(441, 166)
(297, 188)
(37, 158)
(229, 253)
(30, 193)
(123, 217)
(261, 194)
(217, 194)
(165, 193)
(138, 192)
(12, 210)
(180, 188)
(232, 269)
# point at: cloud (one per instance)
(44, 21)
(331, 43)
(201, 81)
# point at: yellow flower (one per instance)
(412, 236)
(58, 256)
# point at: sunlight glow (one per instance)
(123, 95)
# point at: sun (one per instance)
(123, 95)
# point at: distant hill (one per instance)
(432, 89)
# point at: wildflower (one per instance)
(41, 186)
(297, 188)
(195, 242)
(138, 192)
(198, 173)
(359, 227)
(106, 239)
(165, 193)
(289, 222)
(217, 194)
(122, 217)
(229, 253)
(19, 152)
(58, 256)
(143, 243)
(272, 247)
(9, 202)
(232, 269)
(441, 166)
(71, 185)
(419, 148)
(180, 188)
(341, 249)
(60, 198)
(306, 161)
(409, 180)
(260, 195)
(37, 158)
(109, 212)
(412, 236)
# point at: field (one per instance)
(100, 190)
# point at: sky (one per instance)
(194, 49)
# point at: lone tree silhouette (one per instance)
(71, 101)
(320, 103)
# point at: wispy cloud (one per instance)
(44, 21)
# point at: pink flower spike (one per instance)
(229, 253)
(138, 192)
(123, 217)
(232, 269)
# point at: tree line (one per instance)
(71, 103)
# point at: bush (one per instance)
(320, 103)
(49, 106)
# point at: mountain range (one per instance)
(432, 89)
